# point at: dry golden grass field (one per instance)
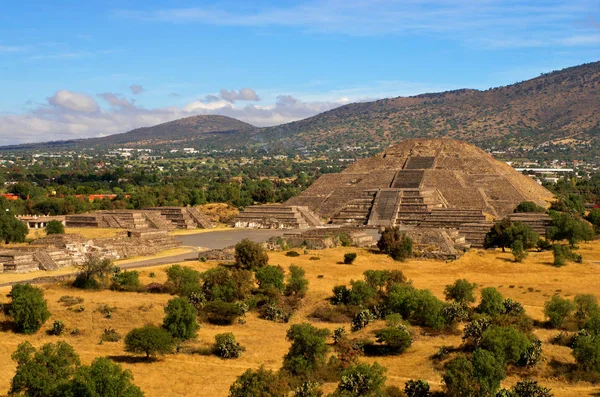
(532, 283)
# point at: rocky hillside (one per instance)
(553, 107)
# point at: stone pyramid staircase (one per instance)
(357, 211)
(201, 220)
(474, 233)
(273, 216)
(452, 218)
(385, 208)
(539, 222)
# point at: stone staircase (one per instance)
(385, 208)
(311, 218)
(539, 222)
(201, 220)
(446, 218)
(357, 211)
(112, 221)
(178, 216)
(474, 233)
(273, 216)
(413, 208)
(408, 179)
(419, 163)
(157, 221)
(15, 261)
(86, 220)
(44, 260)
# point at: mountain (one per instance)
(561, 106)
(554, 106)
(178, 131)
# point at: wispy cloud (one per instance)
(517, 23)
(13, 48)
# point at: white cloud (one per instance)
(245, 94)
(12, 48)
(116, 100)
(73, 101)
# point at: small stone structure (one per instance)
(14, 261)
(166, 218)
(274, 216)
(40, 222)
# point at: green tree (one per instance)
(492, 302)
(488, 372)
(12, 230)
(180, 319)
(128, 280)
(308, 350)
(518, 251)
(505, 233)
(362, 380)
(462, 291)
(226, 346)
(558, 310)
(529, 206)
(149, 340)
(28, 308)
(507, 344)
(185, 280)
(93, 272)
(259, 383)
(250, 255)
(297, 284)
(270, 277)
(55, 227)
(569, 227)
(43, 372)
(103, 378)
(586, 351)
(458, 378)
(587, 306)
(417, 388)
(395, 243)
(396, 340)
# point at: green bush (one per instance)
(586, 305)
(221, 313)
(586, 351)
(180, 319)
(227, 285)
(563, 253)
(93, 272)
(297, 284)
(519, 253)
(292, 254)
(507, 344)
(419, 307)
(569, 227)
(531, 388)
(55, 227)
(149, 340)
(12, 230)
(529, 206)
(110, 335)
(492, 302)
(558, 310)
(58, 327)
(308, 350)
(462, 292)
(226, 346)
(362, 380)
(261, 383)
(479, 376)
(270, 276)
(505, 233)
(28, 308)
(185, 280)
(125, 281)
(417, 388)
(395, 340)
(349, 258)
(250, 255)
(395, 243)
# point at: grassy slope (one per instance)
(178, 375)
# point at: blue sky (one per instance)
(78, 69)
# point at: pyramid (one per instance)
(442, 183)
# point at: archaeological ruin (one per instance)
(418, 184)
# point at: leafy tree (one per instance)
(531, 388)
(587, 306)
(103, 378)
(529, 206)
(270, 277)
(518, 251)
(395, 243)
(570, 228)
(507, 344)
(185, 280)
(259, 383)
(558, 310)
(55, 227)
(221, 313)
(594, 218)
(93, 272)
(461, 292)
(384, 279)
(28, 309)
(226, 346)
(419, 307)
(586, 351)
(297, 284)
(362, 380)
(128, 280)
(227, 285)
(12, 230)
(458, 378)
(149, 340)
(396, 340)
(308, 350)
(417, 388)
(573, 203)
(43, 372)
(488, 372)
(492, 302)
(180, 319)
(505, 233)
(250, 255)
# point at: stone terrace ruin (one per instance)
(419, 183)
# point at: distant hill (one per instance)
(555, 106)
(561, 106)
